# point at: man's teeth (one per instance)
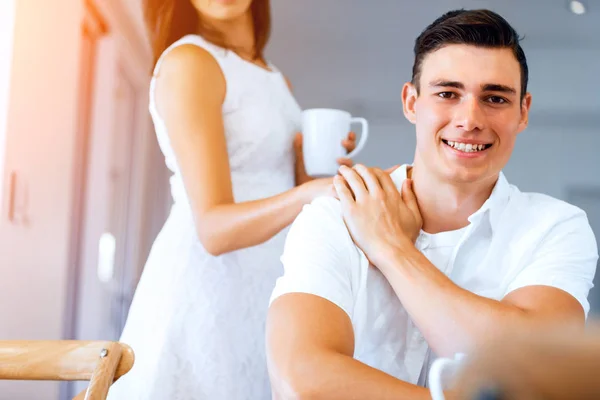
(466, 147)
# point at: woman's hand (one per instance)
(318, 187)
(349, 144)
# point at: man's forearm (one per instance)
(334, 376)
(451, 319)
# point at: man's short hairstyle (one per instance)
(481, 28)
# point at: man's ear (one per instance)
(525, 106)
(409, 99)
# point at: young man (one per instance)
(379, 281)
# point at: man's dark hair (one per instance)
(482, 28)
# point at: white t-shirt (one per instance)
(439, 249)
(514, 240)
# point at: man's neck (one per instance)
(446, 206)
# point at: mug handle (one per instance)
(435, 377)
(364, 134)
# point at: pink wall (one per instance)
(7, 11)
(39, 148)
(40, 117)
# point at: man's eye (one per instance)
(497, 100)
(447, 95)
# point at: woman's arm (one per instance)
(190, 91)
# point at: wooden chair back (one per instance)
(99, 362)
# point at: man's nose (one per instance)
(470, 115)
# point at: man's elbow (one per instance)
(294, 385)
(297, 376)
(296, 394)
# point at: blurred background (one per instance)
(84, 190)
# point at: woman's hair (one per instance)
(169, 20)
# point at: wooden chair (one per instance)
(99, 362)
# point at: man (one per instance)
(378, 282)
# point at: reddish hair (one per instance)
(169, 20)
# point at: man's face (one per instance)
(468, 112)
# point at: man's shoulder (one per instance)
(319, 256)
(320, 232)
(536, 215)
(321, 220)
(328, 204)
(321, 210)
(535, 206)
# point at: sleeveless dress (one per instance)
(197, 321)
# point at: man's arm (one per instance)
(310, 337)
(454, 320)
(553, 287)
(310, 343)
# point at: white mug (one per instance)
(436, 374)
(323, 130)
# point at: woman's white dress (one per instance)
(197, 321)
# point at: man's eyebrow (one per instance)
(487, 87)
(446, 83)
(494, 87)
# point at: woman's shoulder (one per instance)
(189, 53)
(187, 58)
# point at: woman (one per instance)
(225, 121)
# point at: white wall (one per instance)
(363, 72)
(7, 12)
(358, 60)
(553, 159)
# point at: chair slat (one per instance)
(57, 360)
